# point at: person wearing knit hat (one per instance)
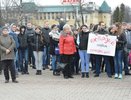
(7, 45)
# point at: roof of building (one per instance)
(58, 8)
(104, 8)
(29, 7)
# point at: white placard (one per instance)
(101, 44)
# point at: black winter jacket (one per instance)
(45, 33)
(102, 31)
(53, 45)
(121, 42)
(37, 42)
(83, 36)
(23, 41)
(127, 34)
(30, 33)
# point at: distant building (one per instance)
(68, 13)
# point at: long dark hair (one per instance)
(41, 36)
(81, 31)
(119, 26)
(22, 28)
(83, 26)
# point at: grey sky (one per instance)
(112, 3)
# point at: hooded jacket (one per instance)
(23, 39)
(15, 37)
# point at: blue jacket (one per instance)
(14, 35)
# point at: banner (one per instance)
(101, 44)
(69, 1)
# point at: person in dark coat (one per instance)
(120, 44)
(30, 32)
(127, 32)
(23, 50)
(76, 67)
(0, 64)
(38, 43)
(54, 40)
(102, 31)
(46, 55)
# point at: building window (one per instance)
(73, 16)
(53, 17)
(61, 15)
(45, 16)
(41, 16)
(57, 16)
(48, 15)
(69, 16)
(86, 18)
(37, 16)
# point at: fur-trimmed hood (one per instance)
(55, 35)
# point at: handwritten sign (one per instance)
(101, 44)
(70, 1)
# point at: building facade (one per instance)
(70, 14)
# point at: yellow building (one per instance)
(67, 13)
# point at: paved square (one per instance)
(49, 87)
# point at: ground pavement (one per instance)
(49, 87)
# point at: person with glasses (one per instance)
(7, 46)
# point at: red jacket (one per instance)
(67, 45)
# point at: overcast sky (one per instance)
(111, 3)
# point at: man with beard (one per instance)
(102, 31)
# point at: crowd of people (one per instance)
(64, 48)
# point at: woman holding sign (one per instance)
(82, 42)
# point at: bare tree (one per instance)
(76, 11)
(10, 7)
(0, 14)
(76, 16)
(81, 3)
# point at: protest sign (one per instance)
(101, 44)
